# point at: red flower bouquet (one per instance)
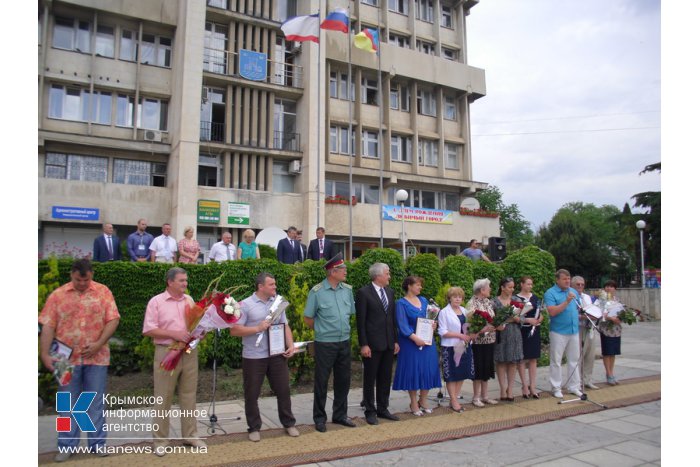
(479, 320)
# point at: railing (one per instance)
(286, 141)
(226, 63)
(212, 131)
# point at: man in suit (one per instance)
(106, 247)
(288, 250)
(304, 249)
(376, 332)
(321, 247)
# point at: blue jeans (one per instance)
(86, 378)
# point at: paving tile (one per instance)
(642, 451)
(563, 462)
(621, 427)
(641, 419)
(605, 457)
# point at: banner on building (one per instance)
(208, 211)
(430, 216)
(75, 213)
(239, 213)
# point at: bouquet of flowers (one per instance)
(216, 310)
(479, 319)
(432, 310)
(62, 369)
(628, 315)
(505, 313)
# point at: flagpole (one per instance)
(350, 140)
(381, 124)
(318, 133)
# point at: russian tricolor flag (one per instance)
(337, 20)
(301, 28)
(367, 40)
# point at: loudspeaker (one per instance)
(497, 248)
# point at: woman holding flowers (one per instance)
(530, 333)
(610, 336)
(417, 363)
(457, 361)
(509, 347)
(480, 314)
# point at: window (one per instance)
(340, 80)
(451, 202)
(131, 172)
(104, 41)
(69, 103)
(218, 3)
(215, 39)
(156, 50)
(399, 40)
(366, 193)
(424, 10)
(450, 108)
(426, 102)
(125, 110)
(71, 34)
(282, 180)
(74, 167)
(333, 85)
(449, 54)
(211, 171)
(370, 144)
(451, 161)
(427, 152)
(285, 9)
(285, 121)
(152, 114)
(336, 188)
(425, 47)
(446, 19)
(128, 48)
(399, 6)
(369, 92)
(370, 2)
(405, 98)
(394, 96)
(401, 148)
(339, 139)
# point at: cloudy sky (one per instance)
(572, 111)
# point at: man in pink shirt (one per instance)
(165, 323)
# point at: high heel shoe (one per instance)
(417, 413)
(425, 409)
(526, 395)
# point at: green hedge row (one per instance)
(133, 284)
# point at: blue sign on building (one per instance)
(252, 65)
(75, 213)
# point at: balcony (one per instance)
(212, 131)
(226, 63)
(286, 141)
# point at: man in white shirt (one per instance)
(223, 250)
(163, 247)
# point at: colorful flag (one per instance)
(301, 28)
(337, 20)
(367, 40)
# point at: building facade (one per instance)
(147, 110)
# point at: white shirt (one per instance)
(218, 251)
(449, 322)
(164, 246)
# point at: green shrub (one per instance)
(267, 252)
(490, 271)
(534, 262)
(358, 270)
(441, 297)
(301, 363)
(427, 266)
(458, 270)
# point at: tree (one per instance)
(651, 200)
(513, 225)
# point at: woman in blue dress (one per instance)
(417, 363)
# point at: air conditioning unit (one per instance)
(294, 167)
(152, 135)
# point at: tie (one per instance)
(228, 252)
(320, 243)
(385, 302)
(109, 246)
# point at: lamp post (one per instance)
(401, 197)
(641, 225)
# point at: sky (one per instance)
(573, 100)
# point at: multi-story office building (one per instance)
(147, 110)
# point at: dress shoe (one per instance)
(389, 416)
(345, 422)
(591, 386)
(195, 443)
(254, 436)
(321, 427)
(576, 392)
(491, 401)
(371, 419)
(558, 394)
(62, 457)
(425, 409)
(292, 431)
(159, 450)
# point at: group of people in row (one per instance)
(142, 246)
(83, 315)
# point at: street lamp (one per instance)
(641, 225)
(401, 197)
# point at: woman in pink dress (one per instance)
(188, 247)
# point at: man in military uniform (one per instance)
(327, 312)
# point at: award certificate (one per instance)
(277, 342)
(424, 330)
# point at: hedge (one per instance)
(133, 285)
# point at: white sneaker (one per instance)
(576, 392)
(591, 386)
(558, 394)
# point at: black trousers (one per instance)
(377, 369)
(331, 356)
(254, 372)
